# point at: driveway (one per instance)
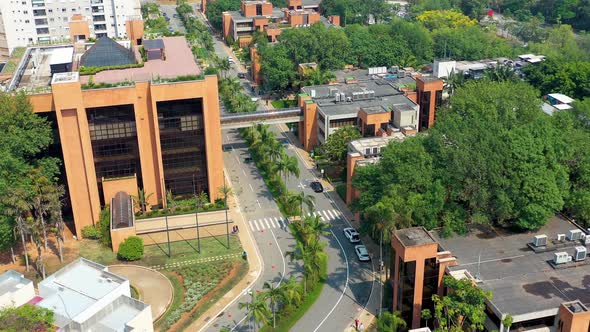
(154, 288)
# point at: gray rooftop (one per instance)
(310, 3)
(521, 280)
(384, 96)
(415, 236)
(153, 44)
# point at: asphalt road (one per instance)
(350, 285)
(175, 23)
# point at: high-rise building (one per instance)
(27, 22)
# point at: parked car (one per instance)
(241, 75)
(316, 186)
(362, 253)
(352, 235)
(230, 59)
(248, 159)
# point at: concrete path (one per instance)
(154, 288)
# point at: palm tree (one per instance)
(287, 165)
(223, 65)
(293, 292)
(390, 322)
(302, 199)
(276, 150)
(275, 294)
(301, 254)
(141, 200)
(256, 308)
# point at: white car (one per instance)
(230, 59)
(362, 253)
(352, 235)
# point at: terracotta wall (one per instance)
(273, 33)
(70, 103)
(310, 124)
(351, 192)
(334, 19)
(294, 4)
(373, 119)
(255, 65)
(110, 187)
(134, 30)
(78, 27)
(226, 23)
(119, 235)
(572, 322)
(432, 86)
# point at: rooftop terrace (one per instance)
(522, 281)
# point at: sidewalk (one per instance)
(364, 316)
(255, 268)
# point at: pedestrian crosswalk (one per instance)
(282, 223)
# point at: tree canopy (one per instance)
(493, 157)
(27, 318)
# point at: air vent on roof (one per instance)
(574, 235)
(561, 257)
(540, 240)
(580, 254)
(561, 237)
(312, 93)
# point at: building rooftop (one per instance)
(152, 44)
(414, 236)
(111, 318)
(561, 98)
(522, 281)
(11, 281)
(76, 287)
(370, 94)
(361, 144)
(36, 73)
(310, 3)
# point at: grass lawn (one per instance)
(283, 103)
(96, 252)
(177, 299)
(187, 250)
(284, 324)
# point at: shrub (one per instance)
(91, 70)
(131, 249)
(104, 226)
(90, 232)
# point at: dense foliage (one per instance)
(233, 98)
(27, 317)
(131, 249)
(336, 146)
(217, 7)
(493, 157)
(573, 12)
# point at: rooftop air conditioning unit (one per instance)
(312, 93)
(561, 237)
(587, 240)
(574, 235)
(580, 254)
(561, 258)
(337, 97)
(540, 240)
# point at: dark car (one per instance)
(248, 159)
(316, 186)
(241, 75)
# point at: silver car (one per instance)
(352, 235)
(362, 253)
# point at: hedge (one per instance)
(91, 70)
(90, 232)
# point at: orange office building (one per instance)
(153, 126)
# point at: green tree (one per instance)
(256, 308)
(293, 292)
(438, 19)
(275, 295)
(463, 307)
(336, 146)
(300, 199)
(390, 322)
(216, 8)
(276, 68)
(27, 318)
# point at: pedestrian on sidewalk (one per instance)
(237, 229)
(356, 324)
(361, 327)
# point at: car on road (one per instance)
(175, 16)
(255, 99)
(362, 253)
(230, 59)
(241, 75)
(248, 159)
(352, 235)
(316, 186)
(227, 148)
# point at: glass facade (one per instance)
(405, 292)
(424, 100)
(114, 143)
(430, 285)
(182, 140)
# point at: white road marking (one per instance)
(280, 221)
(251, 225)
(326, 217)
(330, 214)
(345, 285)
(267, 224)
(260, 206)
(336, 213)
(244, 172)
(238, 159)
(256, 224)
(272, 222)
(251, 187)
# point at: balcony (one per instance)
(40, 22)
(39, 12)
(96, 2)
(100, 27)
(98, 10)
(99, 18)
